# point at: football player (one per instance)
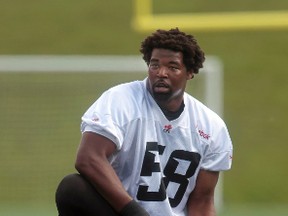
(148, 147)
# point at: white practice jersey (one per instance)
(158, 160)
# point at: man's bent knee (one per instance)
(76, 196)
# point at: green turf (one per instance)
(40, 116)
(233, 210)
(255, 93)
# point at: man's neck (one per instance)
(172, 105)
(171, 115)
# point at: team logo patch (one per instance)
(95, 117)
(167, 128)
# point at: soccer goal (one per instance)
(42, 100)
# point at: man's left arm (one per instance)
(201, 200)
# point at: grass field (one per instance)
(39, 113)
(235, 210)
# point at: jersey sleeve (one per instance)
(103, 118)
(218, 156)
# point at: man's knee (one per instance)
(76, 194)
(67, 186)
(67, 198)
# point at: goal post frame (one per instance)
(144, 20)
(212, 72)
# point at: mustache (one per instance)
(161, 83)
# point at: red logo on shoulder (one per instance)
(204, 135)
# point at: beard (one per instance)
(160, 91)
(162, 96)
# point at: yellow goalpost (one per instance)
(144, 20)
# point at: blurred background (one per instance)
(40, 112)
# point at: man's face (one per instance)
(167, 74)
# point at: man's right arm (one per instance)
(92, 163)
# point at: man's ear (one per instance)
(190, 74)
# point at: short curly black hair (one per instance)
(176, 40)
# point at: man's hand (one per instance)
(133, 209)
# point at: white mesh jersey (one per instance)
(158, 160)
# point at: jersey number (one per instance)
(170, 175)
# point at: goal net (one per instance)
(42, 100)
